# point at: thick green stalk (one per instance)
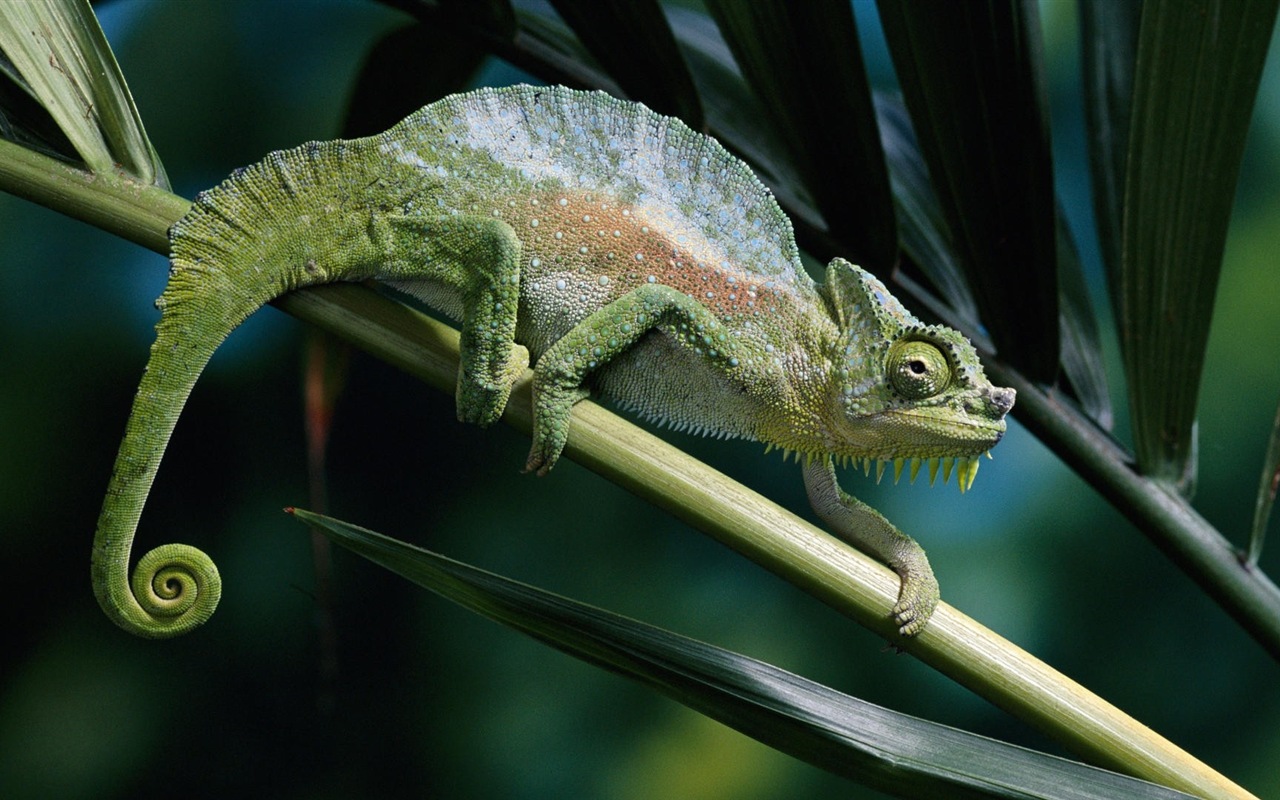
(121, 205)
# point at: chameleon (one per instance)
(615, 250)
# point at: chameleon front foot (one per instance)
(867, 529)
(917, 600)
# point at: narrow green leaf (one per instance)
(497, 17)
(633, 42)
(1198, 67)
(803, 61)
(907, 756)
(408, 68)
(59, 50)
(1268, 486)
(970, 73)
(926, 239)
(1108, 45)
(734, 115)
(1081, 342)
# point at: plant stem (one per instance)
(115, 203)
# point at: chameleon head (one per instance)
(904, 391)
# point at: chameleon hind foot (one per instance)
(552, 407)
(482, 400)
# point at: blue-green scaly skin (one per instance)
(614, 249)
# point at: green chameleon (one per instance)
(609, 246)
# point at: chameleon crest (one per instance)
(615, 250)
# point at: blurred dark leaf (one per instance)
(407, 69)
(1081, 342)
(633, 42)
(1197, 70)
(907, 756)
(1108, 45)
(926, 239)
(970, 74)
(548, 48)
(495, 16)
(803, 62)
(1268, 485)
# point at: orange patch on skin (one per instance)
(569, 231)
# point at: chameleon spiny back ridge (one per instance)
(616, 249)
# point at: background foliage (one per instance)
(423, 698)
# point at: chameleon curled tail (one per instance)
(258, 235)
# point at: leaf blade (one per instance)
(64, 58)
(1268, 486)
(1198, 66)
(970, 73)
(803, 62)
(858, 740)
(615, 32)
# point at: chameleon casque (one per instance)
(608, 246)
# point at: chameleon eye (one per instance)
(918, 370)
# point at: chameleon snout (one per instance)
(1001, 399)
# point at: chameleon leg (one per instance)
(864, 527)
(592, 343)
(477, 260)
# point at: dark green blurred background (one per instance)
(428, 700)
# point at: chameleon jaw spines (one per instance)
(964, 467)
